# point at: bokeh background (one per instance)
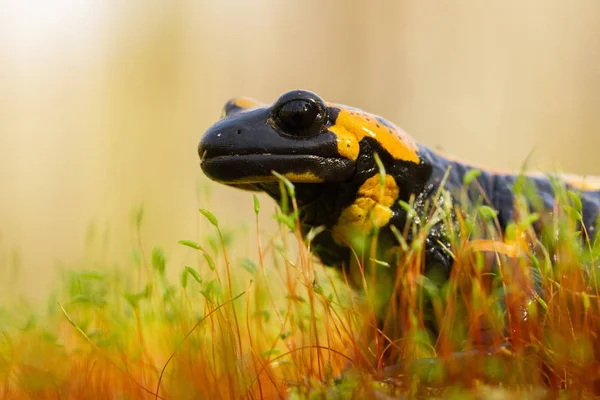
(102, 103)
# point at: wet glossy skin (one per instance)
(328, 150)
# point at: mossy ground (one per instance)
(278, 324)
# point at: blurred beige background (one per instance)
(102, 103)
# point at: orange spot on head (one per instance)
(246, 102)
(238, 104)
(353, 125)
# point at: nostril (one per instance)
(239, 131)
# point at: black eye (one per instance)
(304, 116)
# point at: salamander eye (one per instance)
(301, 115)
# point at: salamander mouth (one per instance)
(257, 168)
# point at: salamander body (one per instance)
(328, 151)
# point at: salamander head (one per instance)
(300, 136)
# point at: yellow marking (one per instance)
(372, 207)
(304, 177)
(353, 125)
(246, 102)
(585, 183)
(242, 102)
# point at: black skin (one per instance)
(292, 136)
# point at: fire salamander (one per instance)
(334, 154)
(328, 151)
